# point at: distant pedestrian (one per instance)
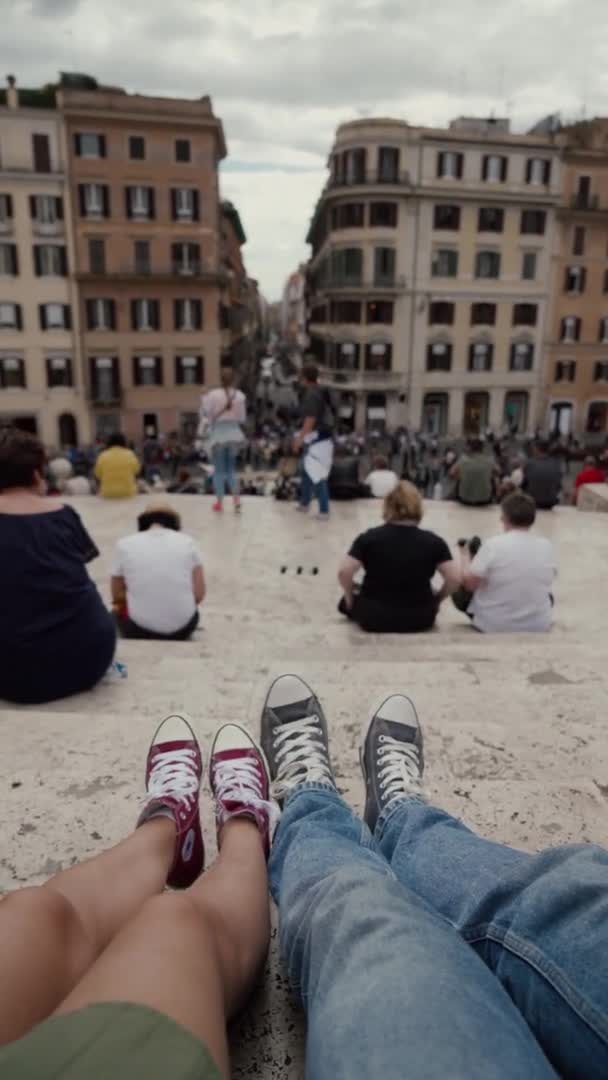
(315, 441)
(223, 411)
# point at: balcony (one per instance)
(380, 283)
(101, 397)
(171, 272)
(363, 380)
(371, 177)
(583, 204)
(47, 228)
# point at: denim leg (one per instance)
(306, 487)
(540, 923)
(389, 988)
(322, 493)
(219, 472)
(232, 475)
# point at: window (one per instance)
(575, 280)
(54, 317)
(446, 217)
(538, 171)
(383, 214)
(345, 311)
(141, 256)
(318, 314)
(444, 263)
(449, 165)
(137, 147)
(184, 204)
(46, 209)
(105, 379)
(97, 256)
(378, 356)
(188, 314)
(6, 209)
(379, 311)
(50, 259)
(491, 219)
(145, 315)
(140, 202)
(494, 168)
(388, 164)
(522, 356)
(186, 258)
(583, 195)
(441, 313)
(41, 153)
(189, 370)
(347, 216)
(89, 144)
(58, 371)
(525, 314)
(10, 316)
(346, 357)
(481, 354)
(9, 266)
(483, 314)
(603, 334)
(565, 371)
(12, 372)
(528, 266)
(148, 370)
(101, 314)
(570, 328)
(605, 281)
(439, 356)
(385, 259)
(533, 222)
(487, 264)
(578, 242)
(182, 149)
(346, 266)
(94, 200)
(355, 163)
(600, 371)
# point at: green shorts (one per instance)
(113, 1041)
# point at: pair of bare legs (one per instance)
(103, 931)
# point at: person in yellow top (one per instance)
(116, 469)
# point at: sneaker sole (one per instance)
(255, 744)
(366, 727)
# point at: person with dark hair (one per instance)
(543, 476)
(117, 469)
(315, 442)
(507, 585)
(223, 411)
(157, 578)
(474, 473)
(56, 636)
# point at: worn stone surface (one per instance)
(593, 497)
(515, 727)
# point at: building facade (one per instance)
(294, 312)
(576, 371)
(143, 179)
(430, 274)
(41, 379)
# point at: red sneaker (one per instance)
(174, 771)
(240, 782)
(217, 507)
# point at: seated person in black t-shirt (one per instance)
(56, 635)
(399, 560)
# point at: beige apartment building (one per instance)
(143, 174)
(430, 274)
(41, 384)
(576, 372)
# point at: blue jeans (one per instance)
(308, 489)
(224, 471)
(428, 952)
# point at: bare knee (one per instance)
(45, 911)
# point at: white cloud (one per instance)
(284, 73)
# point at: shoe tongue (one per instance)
(288, 714)
(168, 747)
(233, 755)
(400, 732)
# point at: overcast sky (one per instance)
(283, 73)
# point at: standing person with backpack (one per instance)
(222, 412)
(315, 442)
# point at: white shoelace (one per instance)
(398, 768)
(300, 755)
(238, 780)
(174, 773)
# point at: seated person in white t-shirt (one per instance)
(381, 480)
(157, 578)
(507, 586)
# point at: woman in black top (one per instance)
(399, 560)
(56, 636)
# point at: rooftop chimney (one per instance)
(12, 94)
